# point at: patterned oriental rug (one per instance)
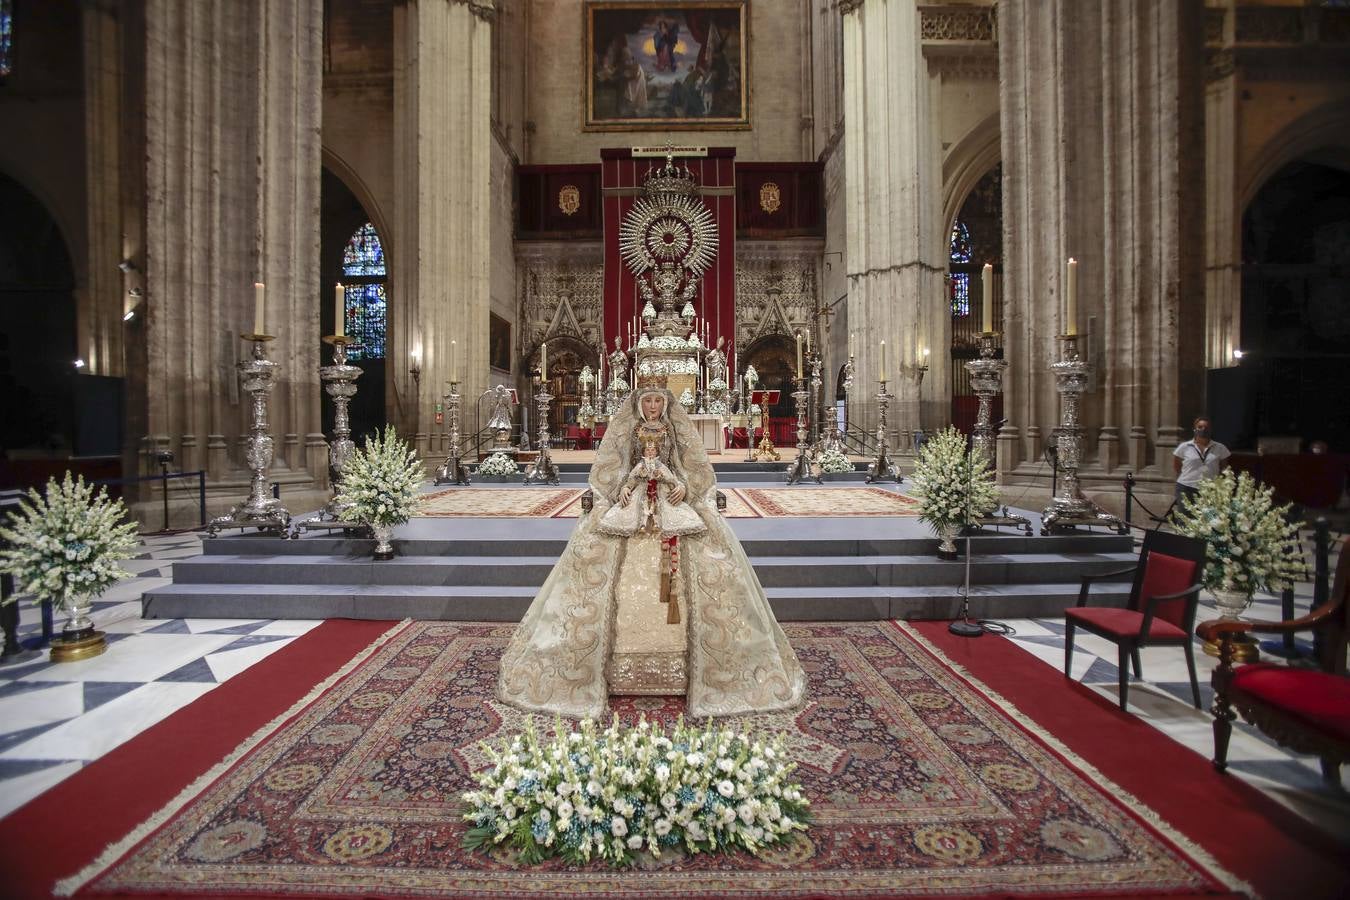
(525, 503)
(862, 501)
(923, 782)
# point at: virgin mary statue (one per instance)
(650, 612)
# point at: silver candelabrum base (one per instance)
(1069, 508)
(986, 378)
(339, 380)
(882, 467)
(804, 467)
(542, 470)
(453, 470)
(260, 511)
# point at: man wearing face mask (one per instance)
(1197, 459)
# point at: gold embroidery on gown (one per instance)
(574, 645)
(648, 655)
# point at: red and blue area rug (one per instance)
(923, 782)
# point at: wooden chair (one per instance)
(1161, 608)
(1306, 710)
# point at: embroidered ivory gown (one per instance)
(598, 626)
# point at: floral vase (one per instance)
(78, 638)
(383, 549)
(947, 541)
(1231, 604)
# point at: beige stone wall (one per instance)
(780, 97)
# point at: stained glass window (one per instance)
(363, 275)
(960, 253)
(6, 37)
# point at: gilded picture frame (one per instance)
(666, 65)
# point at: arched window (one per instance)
(363, 275)
(6, 37)
(960, 253)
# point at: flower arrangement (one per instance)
(66, 545)
(626, 790)
(498, 464)
(687, 400)
(1252, 545)
(954, 485)
(380, 482)
(834, 460)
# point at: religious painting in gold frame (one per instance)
(662, 65)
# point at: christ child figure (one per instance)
(645, 501)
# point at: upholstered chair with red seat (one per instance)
(1306, 710)
(1161, 609)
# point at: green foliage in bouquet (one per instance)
(1252, 544)
(953, 484)
(620, 792)
(66, 544)
(380, 481)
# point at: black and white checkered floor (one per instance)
(56, 718)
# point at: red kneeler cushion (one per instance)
(1318, 698)
(1123, 622)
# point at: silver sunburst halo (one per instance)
(680, 230)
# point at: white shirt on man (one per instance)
(1197, 464)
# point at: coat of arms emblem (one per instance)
(770, 200)
(569, 199)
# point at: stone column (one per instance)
(441, 245)
(1223, 211)
(99, 317)
(1100, 111)
(893, 174)
(232, 179)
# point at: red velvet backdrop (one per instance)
(621, 180)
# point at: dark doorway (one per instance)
(1296, 310)
(38, 344)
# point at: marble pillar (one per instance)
(1101, 107)
(232, 144)
(1223, 201)
(441, 248)
(896, 249)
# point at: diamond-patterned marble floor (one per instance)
(56, 718)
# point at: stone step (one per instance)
(508, 603)
(245, 545)
(773, 571)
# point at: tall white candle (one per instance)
(452, 360)
(339, 310)
(852, 338)
(543, 362)
(881, 367)
(799, 354)
(987, 286)
(258, 289)
(808, 340)
(1071, 297)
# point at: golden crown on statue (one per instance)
(651, 382)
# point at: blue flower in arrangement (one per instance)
(686, 795)
(539, 829)
(527, 787)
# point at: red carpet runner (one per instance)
(69, 825)
(1263, 843)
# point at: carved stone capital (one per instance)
(848, 6)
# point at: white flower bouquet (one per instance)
(1252, 544)
(628, 790)
(380, 482)
(834, 460)
(687, 400)
(65, 546)
(954, 485)
(498, 464)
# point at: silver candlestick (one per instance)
(836, 431)
(1069, 507)
(453, 470)
(882, 467)
(259, 510)
(339, 380)
(986, 378)
(542, 469)
(802, 467)
(814, 407)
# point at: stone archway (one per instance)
(774, 357)
(40, 378)
(567, 356)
